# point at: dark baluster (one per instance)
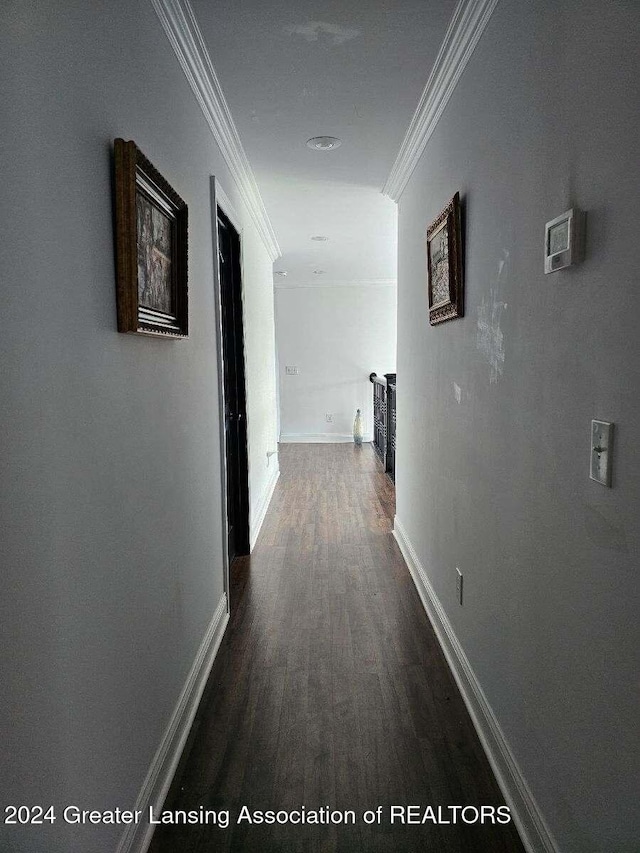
(379, 416)
(390, 450)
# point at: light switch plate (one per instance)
(291, 371)
(601, 452)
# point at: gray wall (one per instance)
(544, 117)
(111, 542)
(336, 335)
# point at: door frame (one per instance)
(219, 199)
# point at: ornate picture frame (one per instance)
(151, 248)
(444, 265)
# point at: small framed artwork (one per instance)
(444, 265)
(151, 248)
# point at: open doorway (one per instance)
(233, 386)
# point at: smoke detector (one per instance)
(324, 143)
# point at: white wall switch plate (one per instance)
(601, 452)
(291, 371)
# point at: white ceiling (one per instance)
(355, 70)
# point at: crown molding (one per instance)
(314, 285)
(182, 30)
(463, 33)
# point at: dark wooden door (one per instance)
(235, 412)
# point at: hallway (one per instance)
(330, 688)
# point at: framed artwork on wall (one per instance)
(151, 248)
(444, 264)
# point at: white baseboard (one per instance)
(320, 438)
(137, 837)
(256, 524)
(526, 814)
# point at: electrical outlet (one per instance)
(459, 585)
(329, 418)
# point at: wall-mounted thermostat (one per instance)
(563, 241)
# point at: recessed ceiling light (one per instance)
(280, 272)
(320, 239)
(324, 143)
(318, 272)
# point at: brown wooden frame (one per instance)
(135, 174)
(453, 306)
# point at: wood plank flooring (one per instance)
(330, 688)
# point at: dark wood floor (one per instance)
(330, 688)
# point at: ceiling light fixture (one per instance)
(323, 143)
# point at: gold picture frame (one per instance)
(151, 248)
(444, 265)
